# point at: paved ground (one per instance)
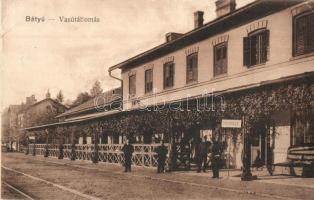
(49, 178)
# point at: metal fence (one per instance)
(144, 154)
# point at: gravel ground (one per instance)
(102, 184)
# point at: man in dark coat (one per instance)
(203, 153)
(161, 157)
(128, 150)
(216, 154)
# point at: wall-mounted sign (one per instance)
(231, 123)
(31, 137)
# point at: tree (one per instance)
(96, 89)
(60, 97)
(81, 98)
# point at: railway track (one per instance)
(18, 192)
(38, 188)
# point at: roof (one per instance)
(14, 108)
(42, 101)
(255, 10)
(75, 120)
(95, 103)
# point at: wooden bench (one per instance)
(298, 156)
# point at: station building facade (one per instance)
(260, 49)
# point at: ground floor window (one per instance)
(303, 127)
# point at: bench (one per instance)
(297, 156)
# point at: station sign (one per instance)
(231, 123)
(31, 137)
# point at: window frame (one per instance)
(248, 48)
(294, 34)
(148, 89)
(165, 83)
(132, 94)
(220, 46)
(194, 68)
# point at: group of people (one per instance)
(204, 148)
(161, 151)
(215, 150)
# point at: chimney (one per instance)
(198, 19)
(31, 100)
(224, 7)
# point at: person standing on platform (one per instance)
(162, 152)
(128, 150)
(216, 154)
(203, 153)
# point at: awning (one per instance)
(75, 120)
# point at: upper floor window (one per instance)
(191, 67)
(303, 34)
(220, 59)
(148, 80)
(255, 48)
(168, 74)
(132, 85)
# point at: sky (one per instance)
(72, 56)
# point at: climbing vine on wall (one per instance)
(256, 104)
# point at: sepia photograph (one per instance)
(157, 99)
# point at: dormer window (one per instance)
(303, 30)
(255, 48)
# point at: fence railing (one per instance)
(144, 154)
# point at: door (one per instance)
(185, 148)
(258, 141)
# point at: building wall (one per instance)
(280, 64)
(282, 135)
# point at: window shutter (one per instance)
(224, 60)
(168, 75)
(165, 77)
(246, 51)
(195, 60)
(265, 46)
(300, 35)
(132, 85)
(187, 69)
(311, 32)
(172, 74)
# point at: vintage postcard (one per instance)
(147, 99)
